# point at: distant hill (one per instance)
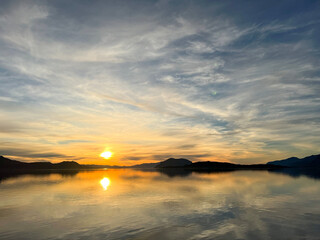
(169, 163)
(6, 163)
(68, 164)
(210, 166)
(145, 165)
(225, 166)
(174, 162)
(310, 161)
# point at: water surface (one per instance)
(132, 204)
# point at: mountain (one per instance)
(212, 165)
(145, 165)
(6, 163)
(310, 161)
(174, 162)
(225, 166)
(67, 164)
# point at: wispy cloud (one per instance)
(228, 82)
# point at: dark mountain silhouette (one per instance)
(203, 166)
(310, 161)
(6, 163)
(211, 166)
(145, 165)
(174, 162)
(295, 167)
(294, 162)
(225, 166)
(68, 164)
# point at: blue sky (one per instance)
(207, 80)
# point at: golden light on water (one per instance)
(106, 154)
(105, 182)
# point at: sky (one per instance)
(235, 81)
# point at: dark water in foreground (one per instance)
(131, 204)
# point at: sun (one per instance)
(106, 154)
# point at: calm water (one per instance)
(132, 204)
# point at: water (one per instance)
(132, 204)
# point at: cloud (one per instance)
(135, 158)
(187, 146)
(224, 78)
(73, 141)
(7, 127)
(31, 154)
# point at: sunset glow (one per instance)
(106, 155)
(105, 182)
(163, 119)
(203, 81)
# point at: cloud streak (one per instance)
(149, 79)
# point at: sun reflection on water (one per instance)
(105, 182)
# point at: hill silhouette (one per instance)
(174, 162)
(225, 166)
(145, 165)
(310, 161)
(307, 162)
(211, 166)
(6, 163)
